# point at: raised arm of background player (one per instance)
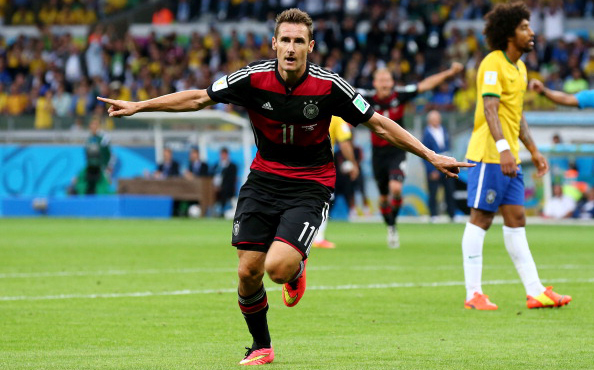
(435, 80)
(412, 90)
(193, 100)
(558, 97)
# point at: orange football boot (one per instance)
(258, 357)
(547, 299)
(293, 291)
(480, 302)
(325, 244)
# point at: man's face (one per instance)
(434, 118)
(524, 37)
(194, 155)
(383, 83)
(94, 127)
(292, 46)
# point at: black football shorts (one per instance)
(388, 167)
(261, 219)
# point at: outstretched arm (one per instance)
(434, 80)
(397, 136)
(183, 101)
(555, 96)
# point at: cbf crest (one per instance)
(311, 110)
(235, 228)
(491, 195)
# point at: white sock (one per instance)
(321, 234)
(517, 247)
(472, 251)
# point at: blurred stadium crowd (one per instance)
(56, 76)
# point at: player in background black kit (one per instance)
(389, 162)
(290, 103)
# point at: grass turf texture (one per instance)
(399, 309)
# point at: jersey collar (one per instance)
(299, 82)
(507, 58)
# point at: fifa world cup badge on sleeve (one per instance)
(361, 104)
(220, 84)
(490, 78)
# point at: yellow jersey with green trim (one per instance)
(498, 76)
(339, 130)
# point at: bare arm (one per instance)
(183, 101)
(491, 104)
(434, 80)
(537, 158)
(507, 160)
(558, 97)
(397, 136)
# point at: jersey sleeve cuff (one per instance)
(213, 96)
(492, 94)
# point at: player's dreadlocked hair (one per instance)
(501, 23)
(297, 16)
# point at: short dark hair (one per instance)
(296, 16)
(501, 23)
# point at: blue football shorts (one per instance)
(489, 188)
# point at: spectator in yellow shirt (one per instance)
(23, 17)
(44, 110)
(16, 101)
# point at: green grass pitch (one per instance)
(134, 294)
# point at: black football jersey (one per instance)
(291, 124)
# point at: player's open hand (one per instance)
(536, 85)
(541, 164)
(120, 108)
(448, 165)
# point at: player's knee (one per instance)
(278, 272)
(515, 221)
(250, 274)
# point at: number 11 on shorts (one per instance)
(311, 233)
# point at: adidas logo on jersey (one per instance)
(267, 106)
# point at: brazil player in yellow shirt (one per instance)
(496, 182)
(340, 133)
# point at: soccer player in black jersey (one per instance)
(281, 205)
(389, 162)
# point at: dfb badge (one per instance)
(491, 195)
(235, 228)
(311, 110)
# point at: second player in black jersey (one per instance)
(389, 162)
(290, 103)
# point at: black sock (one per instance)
(254, 309)
(387, 213)
(396, 204)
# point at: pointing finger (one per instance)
(108, 101)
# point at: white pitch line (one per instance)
(272, 289)
(24, 275)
